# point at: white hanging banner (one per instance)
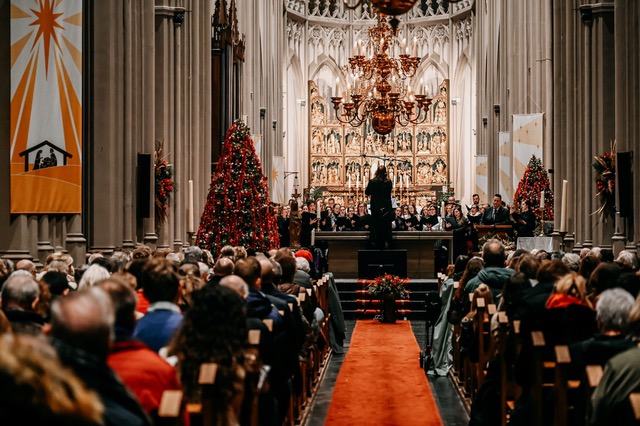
(528, 140)
(504, 149)
(277, 180)
(46, 106)
(482, 177)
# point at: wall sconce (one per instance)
(263, 112)
(496, 109)
(485, 121)
(274, 124)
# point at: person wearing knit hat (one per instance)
(305, 254)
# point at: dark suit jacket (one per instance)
(380, 192)
(501, 217)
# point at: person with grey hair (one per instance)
(627, 260)
(192, 254)
(119, 260)
(175, 258)
(303, 264)
(596, 251)
(81, 331)
(572, 260)
(93, 257)
(20, 295)
(584, 252)
(204, 271)
(612, 314)
(92, 276)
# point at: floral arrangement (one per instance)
(507, 242)
(389, 285)
(164, 186)
(605, 167)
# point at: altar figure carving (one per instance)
(416, 156)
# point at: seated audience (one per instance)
(141, 369)
(214, 331)
(494, 274)
(20, 295)
(32, 380)
(26, 265)
(222, 268)
(610, 400)
(81, 331)
(161, 286)
(93, 275)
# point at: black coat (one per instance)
(525, 229)
(380, 192)
(501, 217)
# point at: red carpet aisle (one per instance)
(381, 382)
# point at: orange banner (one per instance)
(46, 106)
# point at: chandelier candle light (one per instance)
(379, 92)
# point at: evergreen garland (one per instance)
(238, 211)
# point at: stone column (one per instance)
(147, 143)
(627, 94)
(75, 242)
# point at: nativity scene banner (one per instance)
(46, 106)
(345, 158)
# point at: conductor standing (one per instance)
(379, 188)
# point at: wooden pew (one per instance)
(501, 348)
(538, 342)
(170, 409)
(561, 385)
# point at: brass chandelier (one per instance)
(380, 90)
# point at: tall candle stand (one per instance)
(191, 237)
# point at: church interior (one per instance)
(227, 147)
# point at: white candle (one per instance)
(358, 181)
(542, 200)
(318, 209)
(349, 181)
(190, 211)
(406, 180)
(400, 177)
(313, 236)
(444, 214)
(563, 211)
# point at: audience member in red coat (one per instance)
(142, 370)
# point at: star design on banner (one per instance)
(47, 24)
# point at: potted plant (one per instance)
(388, 288)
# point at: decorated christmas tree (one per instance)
(238, 211)
(534, 181)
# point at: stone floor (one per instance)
(451, 408)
